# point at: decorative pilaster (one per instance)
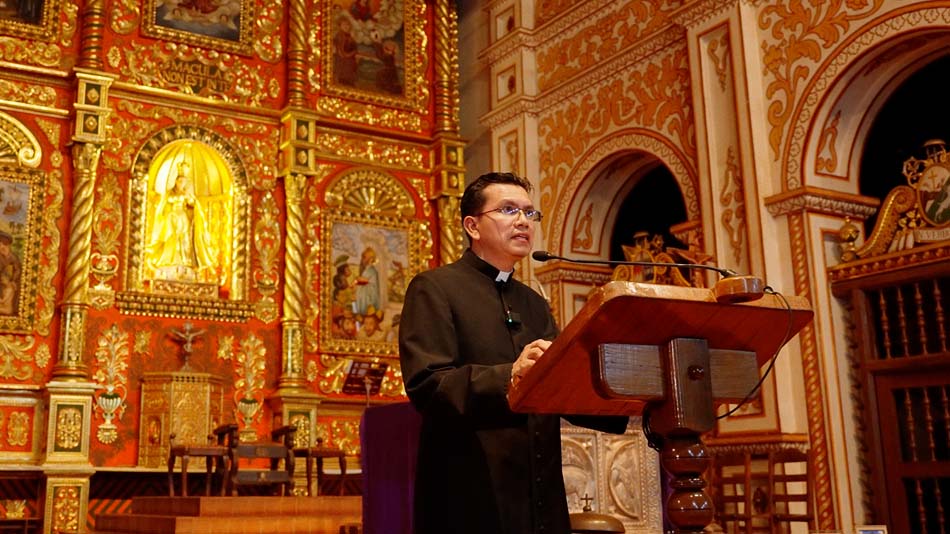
(89, 135)
(292, 364)
(93, 23)
(450, 182)
(298, 163)
(66, 466)
(446, 68)
(296, 54)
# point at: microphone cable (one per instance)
(768, 369)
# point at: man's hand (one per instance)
(529, 356)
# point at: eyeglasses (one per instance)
(512, 211)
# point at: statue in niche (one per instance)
(179, 247)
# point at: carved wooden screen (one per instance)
(900, 324)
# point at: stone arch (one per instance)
(837, 109)
(638, 152)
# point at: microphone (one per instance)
(543, 255)
(732, 287)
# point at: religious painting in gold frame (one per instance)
(374, 51)
(29, 19)
(21, 197)
(369, 261)
(219, 24)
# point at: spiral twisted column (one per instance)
(292, 361)
(70, 364)
(296, 54)
(446, 68)
(93, 25)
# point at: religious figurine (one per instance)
(180, 247)
(187, 335)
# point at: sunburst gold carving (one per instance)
(18, 145)
(369, 191)
(267, 246)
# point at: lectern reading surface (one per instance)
(672, 351)
(569, 378)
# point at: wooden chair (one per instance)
(763, 493)
(318, 453)
(215, 455)
(245, 458)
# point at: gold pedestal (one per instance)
(188, 405)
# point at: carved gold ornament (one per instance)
(188, 228)
(249, 358)
(112, 362)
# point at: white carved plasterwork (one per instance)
(619, 472)
(685, 177)
(834, 65)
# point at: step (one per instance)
(150, 524)
(238, 506)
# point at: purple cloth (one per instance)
(389, 437)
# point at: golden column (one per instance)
(449, 171)
(292, 403)
(69, 393)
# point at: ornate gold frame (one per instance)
(242, 46)
(29, 236)
(415, 61)
(414, 239)
(45, 30)
(137, 299)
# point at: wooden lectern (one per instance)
(667, 352)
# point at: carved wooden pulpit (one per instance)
(669, 354)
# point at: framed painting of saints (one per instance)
(220, 24)
(20, 198)
(367, 268)
(374, 51)
(31, 19)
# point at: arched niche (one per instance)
(188, 233)
(595, 207)
(839, 108)
(593, 192)
(22, 190)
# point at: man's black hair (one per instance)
(473, 199)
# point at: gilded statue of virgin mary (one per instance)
(180, 246)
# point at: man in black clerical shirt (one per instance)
(468, 331)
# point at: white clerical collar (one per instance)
(503, 276)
